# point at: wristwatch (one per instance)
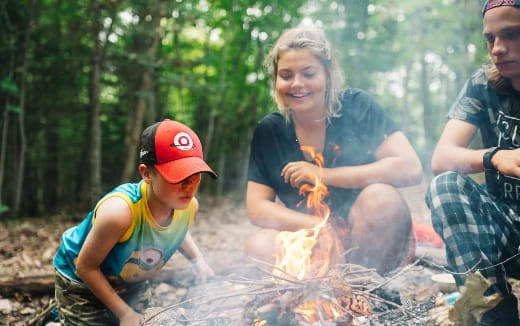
(486, 159)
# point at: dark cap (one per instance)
(174, 150)
(490, 4)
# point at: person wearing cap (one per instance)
(360, 144)
(102, 264)
(480, 224)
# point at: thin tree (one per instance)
(95, 106)
(135, 121)
(18, 184)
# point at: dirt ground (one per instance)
(27, 246)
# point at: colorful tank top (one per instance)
(144, 249)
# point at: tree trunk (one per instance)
(427, 112)
(95, 108)
(405, 120)
(21, 117)
(4, 142)
(135, 123)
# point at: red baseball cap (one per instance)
(174, 150)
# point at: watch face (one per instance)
(509, 131)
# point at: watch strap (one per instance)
(486, 159)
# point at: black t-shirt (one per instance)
(351, 139)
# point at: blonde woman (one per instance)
(366, 157)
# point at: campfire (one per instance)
(309, 284)
(304, 257)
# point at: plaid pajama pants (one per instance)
(480, 232)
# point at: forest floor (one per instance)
(27, 246)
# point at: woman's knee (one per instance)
(382, 203)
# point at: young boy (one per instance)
(103, 264)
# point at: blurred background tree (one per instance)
(80, 80)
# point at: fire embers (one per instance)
(341, 298)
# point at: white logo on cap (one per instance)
(183, 141)
(142, 153)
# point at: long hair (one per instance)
(501, 84)
(314, 40)
(504, 85)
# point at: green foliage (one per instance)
(8, 86)
(3, 209)
(208, 72)
(14, 108)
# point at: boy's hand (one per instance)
(131, 318)
(205, 271)
(507, 161)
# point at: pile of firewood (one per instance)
(358, 296)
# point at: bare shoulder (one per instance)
(114, 213)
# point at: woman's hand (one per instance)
(300, 172)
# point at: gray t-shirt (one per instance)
(481, 105)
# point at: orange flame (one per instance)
(295, 249)
(309, 310)
(308, 252)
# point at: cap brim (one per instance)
(178, 170)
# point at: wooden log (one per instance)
(40, 282)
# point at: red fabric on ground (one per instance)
(426, 235)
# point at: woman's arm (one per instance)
(264, 212)
(113, 218)
(397, 164)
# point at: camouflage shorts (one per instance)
(77, 305)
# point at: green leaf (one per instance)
(14, 108)
(468, 310)
(7, 85)
(3, 209)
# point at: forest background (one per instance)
(79, 80)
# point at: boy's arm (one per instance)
(190, 250)
(113, 218)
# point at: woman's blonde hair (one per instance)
(314, 40)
